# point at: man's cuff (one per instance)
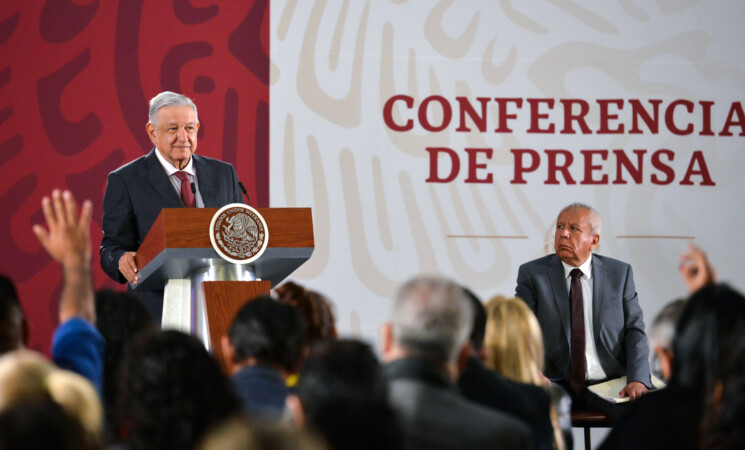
(647, 383)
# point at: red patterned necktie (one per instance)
(578, 363)
(187, 196)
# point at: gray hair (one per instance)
(431, 318)
(662, 331)
(594, 218)
(168, 98)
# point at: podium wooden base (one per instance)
(223, 299)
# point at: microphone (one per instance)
(243, 189)
(193, 189)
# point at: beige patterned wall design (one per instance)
(377, 222)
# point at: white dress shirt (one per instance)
(595, 371)
(176, 182)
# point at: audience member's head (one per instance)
(358, 423)
(661, 336)
(341, 393)
(238, 433)
(513, 342)
(8, 289)
(120, 318)
(14, 331)
(173, 390)
(430, 320)
(23, 375)
(26, 376)
(265, 332)
(316, 310)
(339, 369)
(42, 424)
(478, 328)
(709, 357)
(707, 334)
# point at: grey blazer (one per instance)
(618, 325)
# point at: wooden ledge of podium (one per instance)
(223, 300)
(178, 243)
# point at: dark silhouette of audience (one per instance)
(173, 391)
(703, 405)
(341, 393)
(41, 424)
(121, 319)
(163, 390)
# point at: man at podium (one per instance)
(170, 176)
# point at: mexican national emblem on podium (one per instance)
(239, 233)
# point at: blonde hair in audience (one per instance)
(236, 433)
(514, 347)
(513, 340)
(77, 396)
(22, 377)
(27, 375)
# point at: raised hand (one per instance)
(695, 269)
(67, 237)
(67, 240)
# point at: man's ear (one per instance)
(665, 357)
(386, 340)
(25, 332)
(228, 353)
(293, 405)
(150, 128)
(595, 242)
(463, 356)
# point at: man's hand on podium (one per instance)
(128, 268)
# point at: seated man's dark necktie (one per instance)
(187, 196)
(578, 363)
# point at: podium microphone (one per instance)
(243, 189)
(194, 193)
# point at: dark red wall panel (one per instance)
(75, 78)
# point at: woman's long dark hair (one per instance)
(709, 351)
(173, 391)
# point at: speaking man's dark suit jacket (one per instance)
(618, 326)
(135, 195)
(434, 416)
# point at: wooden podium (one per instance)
(203, 292)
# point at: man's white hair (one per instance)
(431, 319)
(594, 218)
(168, 98)
(662, 331)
